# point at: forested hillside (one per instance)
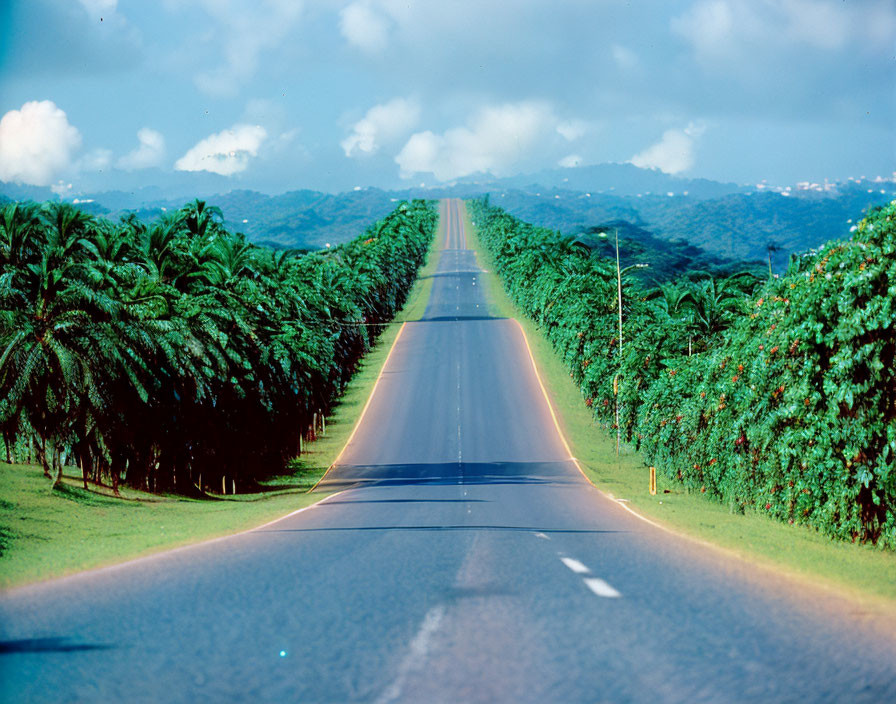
(297, 219)
(175, 354)
(658, 260)
(736, 226)
(778, 397)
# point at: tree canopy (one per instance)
(167, 352)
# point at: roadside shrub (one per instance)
(781, 399)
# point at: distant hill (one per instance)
(729, 222)
(615, 179)
(298, 219)
(736, 226)
(665, 259)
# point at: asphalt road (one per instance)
(464, 559)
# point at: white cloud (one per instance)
(364, 26)
(381, 125)
(572, 130)
(674, 153)
(36, 143)
(495, 140)
(288, 137)
(226, 153)
(95, 160)
(707, 25)
(149, 153)
(821, 24)
(570, 161)
(242, 30)
(742, 29)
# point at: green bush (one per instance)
(780, 399)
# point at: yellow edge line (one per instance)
(764, 563)
(373, 390)
(363, 410)
(575, 461)
(772, 567)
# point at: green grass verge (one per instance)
(50, 533)
(46, 533)
(861, 572)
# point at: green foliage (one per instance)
(177, 350)
(781, 400)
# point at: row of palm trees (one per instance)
(700, 309)
(573, 295)
(176, 354)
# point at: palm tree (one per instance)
(20, 227)
(202, 221)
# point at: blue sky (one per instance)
(331, 94)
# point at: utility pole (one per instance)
(619, 373)
(617, 379)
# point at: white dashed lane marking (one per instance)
(575, 565)
(601, 588)
(595, 584)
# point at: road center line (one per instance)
(575, 565)
(416, 656)
(601, 588)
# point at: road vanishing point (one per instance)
(462, 558)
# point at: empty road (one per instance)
(463, 559)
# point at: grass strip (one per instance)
(861, 572)
(46, 533)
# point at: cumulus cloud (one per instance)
(495, 141)
(149, 152)
(572, 130)
(36, 143)
(674, 153)
(707, 25)
(242, 30)
(737, 29)
(95, 160)
(364, 26)
(226, 153)
(381, 125)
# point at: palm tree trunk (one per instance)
(42, 457)
(57, 468)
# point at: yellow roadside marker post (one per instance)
(653, 481)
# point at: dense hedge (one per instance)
(176, 354)
(780, 399)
